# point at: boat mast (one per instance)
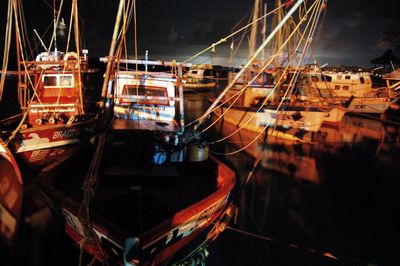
(78, 50)
(264, 30)
(111, 56)
(254, 27)
(7, 45)
(55, 29)
(279, 35)
(21, 85)
(249, 62)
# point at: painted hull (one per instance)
(10, 197)
(370, 105)
(199, 85)
(287, 124)
(160, 239)
(39, 146)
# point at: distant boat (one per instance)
(199, 77)
(262, 97)
(353, 89)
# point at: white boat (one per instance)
(199, 77)
(353, 89)
(261, 97)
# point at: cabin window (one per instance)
(66, 81)
(58, 81)
(314, 78)
(194, 72)
(50, 81)
(362, 80)
(345, 88)
(208, 72)
(337, 87)
(132, 90)
(327, 78)
(347, 77)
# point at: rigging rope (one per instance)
(7, 43)
(266, 65)
(298, 246)
(230, 35)
(288, 90)
(269, 95)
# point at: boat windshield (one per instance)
(58, 81)
(132, 90)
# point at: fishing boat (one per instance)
(353, 89)
(146, 199)
(54, 116)
(263, 97)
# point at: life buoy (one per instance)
(71, 60)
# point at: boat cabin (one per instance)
(336, 84)
(56, 88)
(141, 96)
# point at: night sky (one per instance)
(178, 29)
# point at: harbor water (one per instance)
(333, 202)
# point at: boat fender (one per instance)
(131, 248)
(39, 121)
(71, 60)
(197, 152)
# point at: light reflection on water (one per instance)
(338, 195)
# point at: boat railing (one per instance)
(144, 97)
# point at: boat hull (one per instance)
(158, 244)
(10, 196)
(41, 145)
(287, 124)
(370, 105)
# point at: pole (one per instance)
(259, 50)
(111, 53)
(78, 50)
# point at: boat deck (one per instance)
(133, 194)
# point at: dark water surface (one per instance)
(331, 203)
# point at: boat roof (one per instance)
(162, 76)
(394, 75)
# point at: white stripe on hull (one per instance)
(44, 145)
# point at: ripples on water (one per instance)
(338, 196)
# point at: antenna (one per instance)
(40, 39)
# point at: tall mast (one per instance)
(7, 45)
(78, 49)
(254, 27)
(250, 61)
(111, 56)
(279, 35)
(21, 86)
(264, 30)
(55, 28)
